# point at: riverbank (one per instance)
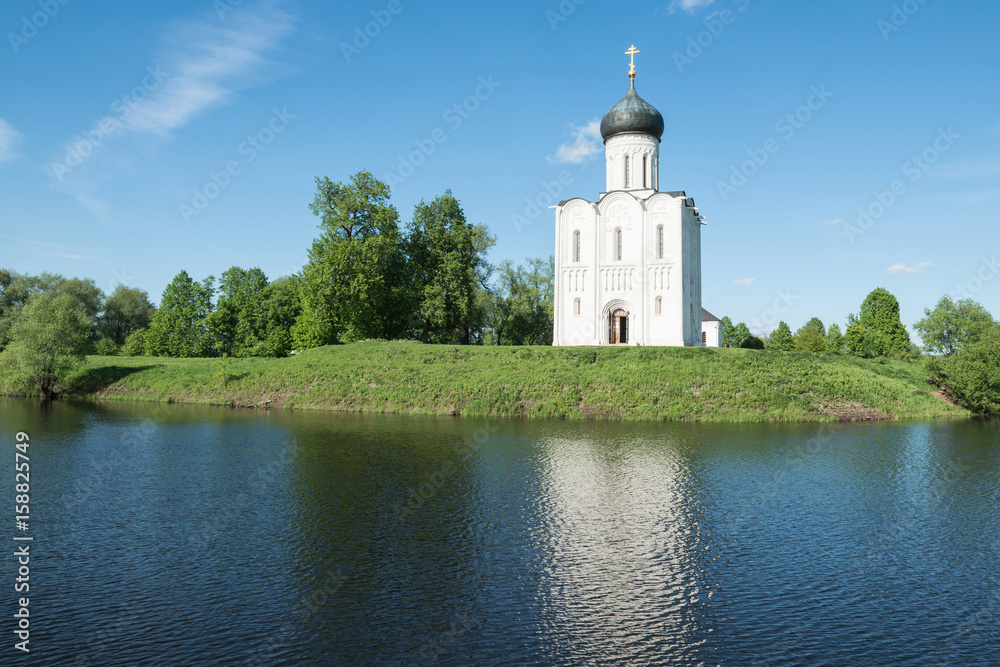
(633, 383)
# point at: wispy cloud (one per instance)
(203, 63)
(61, 250)
(586, 144)
(9, 139)
(743, 282)
(902, 269)
(835, 221)
(207, 63)
(688, 6)
(969, 169)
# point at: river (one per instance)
(167, 534)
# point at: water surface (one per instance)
(187, 535)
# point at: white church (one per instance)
(628, 266)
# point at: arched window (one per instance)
(618, 242)
(576, 246)
(659, 305)
(659, 242)
(628, 180)
(644, 179)
(576, 307)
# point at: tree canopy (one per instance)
(971, 376)
(354, 285)
(448, 263)
(125, 311)
(951, 325)
(180, 325)
(48, 339)
(781, 338)
(877, 330)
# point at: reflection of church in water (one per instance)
(628, 267)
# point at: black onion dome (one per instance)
(632, 114)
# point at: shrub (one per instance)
(752, 343)
(106, 348)
(971, 377)
(134, 345)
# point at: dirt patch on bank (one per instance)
(847, 412)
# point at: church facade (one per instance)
(628, 266)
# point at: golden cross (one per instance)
(631, 52)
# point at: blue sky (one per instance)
(139, 139)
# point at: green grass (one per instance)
(632, 383)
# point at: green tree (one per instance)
(781, 338)
(355, 284)
(728, 333)
(134, 345)
(752, 343)
(971, 376)
(47, 340)
(15, 290)
(739, 333)
(448, 262)
(810, 338)
(951, 326)
(818, 323)
(238, 325)
(834, 338)
(180, 325)
(522, 311)
(125, 311)
(880, 313)
(282, 307)
(863, 341)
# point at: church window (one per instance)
(628, 181)
(618, 253)
(576, 307)
(576, 246)
(704, 337)
(644, 179)
(659, 242)
(659, 305)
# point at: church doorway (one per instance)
(618, 327)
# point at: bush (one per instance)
(810, 339)
(134, 345)
(106, 348)
(752, 343)
(971, 377)
(866, 342)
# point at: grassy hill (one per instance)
(632, 383)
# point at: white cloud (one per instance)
(902, 269)
(207, 65)
(9, 138)
(587, 142)
(743, 282)
(204, 63)
(688, 6)
(835, 221)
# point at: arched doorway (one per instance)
(618, 327)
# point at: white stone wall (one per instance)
(713, 333)
(661, 295)
(616, 262)
(637, 147)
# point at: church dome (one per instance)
(632, 114)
